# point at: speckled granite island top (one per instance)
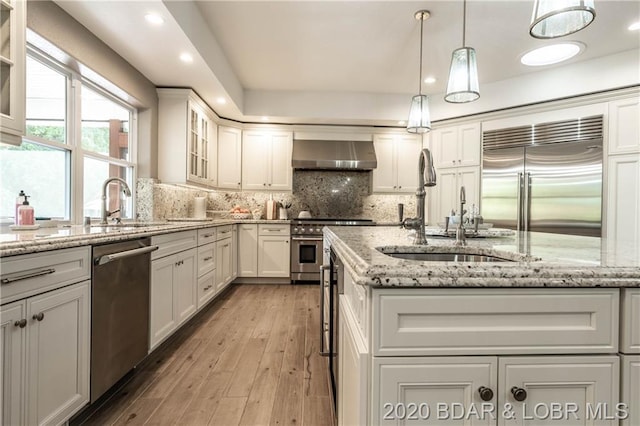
(44, 239)
(538, 260)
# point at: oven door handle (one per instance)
(322, 269)
(306, 238)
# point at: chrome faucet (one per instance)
(460, 237)
(426, 177)
(106, 213)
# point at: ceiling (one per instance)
(332, 62)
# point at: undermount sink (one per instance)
(448, 257)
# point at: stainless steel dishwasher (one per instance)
(120, 282)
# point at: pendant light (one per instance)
(419, 118)
(463, 74)
(554, 18)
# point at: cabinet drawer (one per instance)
(264, 229)
(630, 327)
(206, 258)
(495, 321)
(173, 243)
(223, 232)
(206, 288)
(29, 274)
(206, 235)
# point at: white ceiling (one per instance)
(315, 61)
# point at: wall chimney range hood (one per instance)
(333, 155)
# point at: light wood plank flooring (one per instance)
(251, 358)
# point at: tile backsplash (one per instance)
(337, 194)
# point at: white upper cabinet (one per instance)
(229, 157)
(397, 157)
(12, 70)
(266, 160)
(187, 139)
(456, 146)
(624, 126)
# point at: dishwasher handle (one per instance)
(115, 256)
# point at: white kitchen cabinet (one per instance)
(631, 389)
(229, 157)
(456, 146)
(234, 252)
(224, 261)
(622, 224)
(45, 356)
(187, 139)
(266, 160)
(248, 250)
(12, 70)
(445, 195)
(274, 251)
(398, 157)
(624, 126)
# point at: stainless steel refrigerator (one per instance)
(544, 178)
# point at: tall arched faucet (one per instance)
(125, 189)
(426, 177)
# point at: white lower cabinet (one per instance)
(173, 293)
(45, 356)
(224, 261)
(234, 252)
(274, 255)
(248, 250)
(264, 250)
(631, 389)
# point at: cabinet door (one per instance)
(407, 156)
(588, 383)
(163, 317)
(12, 68)
(234, 252)
(229, 157)
(281, 171)
(445, 147)
(384, 175)
(274, 256)
(58, 354)
(631, 389)
(623, 204)
(469, 177)
(624, 127)
(248, 250)
(223, 262)
(407, 390)
(208, 151)
(469, 144)
(256, 149)
(12, 351)
(193, 143)
(444, 195)
(185, 285)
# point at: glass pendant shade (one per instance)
(463, 77)
(557, 18)
(419, 118)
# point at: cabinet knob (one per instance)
(519, 394)
(22, 323)
(264, 184)
(400, 187)
(269, 184)
(38, 317)
(453, 161)
(486, 394)
(394, 187)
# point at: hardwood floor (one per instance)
(251, 358)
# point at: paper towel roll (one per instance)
(200, 208)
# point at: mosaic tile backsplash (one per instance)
(336, 194)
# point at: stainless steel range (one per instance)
(306, 245)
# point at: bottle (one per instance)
(26, 214)
(19, 200)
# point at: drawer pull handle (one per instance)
(207, 236)
(519, 394)
(486, 394)
(206, 259)
(29, 275)
(207, 287)
(38, 317)
(22, 323)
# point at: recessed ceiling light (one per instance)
(265, 118)
(186, 57)
(634, 27)
(221, 100)
(154, 19)
(402, 122)
(430, 80)
(551, 54)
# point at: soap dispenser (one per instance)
(26, 214)
(19, 200)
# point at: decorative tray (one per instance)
(239, 216)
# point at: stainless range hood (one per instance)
(333, 155)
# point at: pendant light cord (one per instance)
(420, 75)
(464, 21)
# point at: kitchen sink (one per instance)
(448, 257)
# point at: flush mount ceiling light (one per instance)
(463, 74)
(419, 118)
(551, 54)
(554, 18)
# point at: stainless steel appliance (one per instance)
(119, 310)
(333, 154)
(306, 245)
(544, 177)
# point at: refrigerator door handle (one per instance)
(527, 200)
(519, 202)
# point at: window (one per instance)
(92, 147)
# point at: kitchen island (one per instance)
(555, 324)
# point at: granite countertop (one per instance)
(538, 260)
(44, 239)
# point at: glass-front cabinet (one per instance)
(12, 70)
